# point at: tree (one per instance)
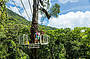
(34, 26)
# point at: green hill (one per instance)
(21, 20)
(14, 16)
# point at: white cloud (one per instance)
(71, 20)
(65, 1)
(14, 9)
(27, 7)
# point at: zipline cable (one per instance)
(30, 5)
(25, 9)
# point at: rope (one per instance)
(30, 5)
(25, 9)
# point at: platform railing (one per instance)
(24, 40)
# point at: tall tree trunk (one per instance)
(34, 27)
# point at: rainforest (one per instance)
(63, 43)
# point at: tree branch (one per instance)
(43, 10)
(41, 2)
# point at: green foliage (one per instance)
(16, 18)
(55, 10)
(9, 35)
(2, 33)
(63, 43)
(67, 44)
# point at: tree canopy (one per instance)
(63, 43)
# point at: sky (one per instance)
(73, 13)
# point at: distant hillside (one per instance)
(21, 20)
